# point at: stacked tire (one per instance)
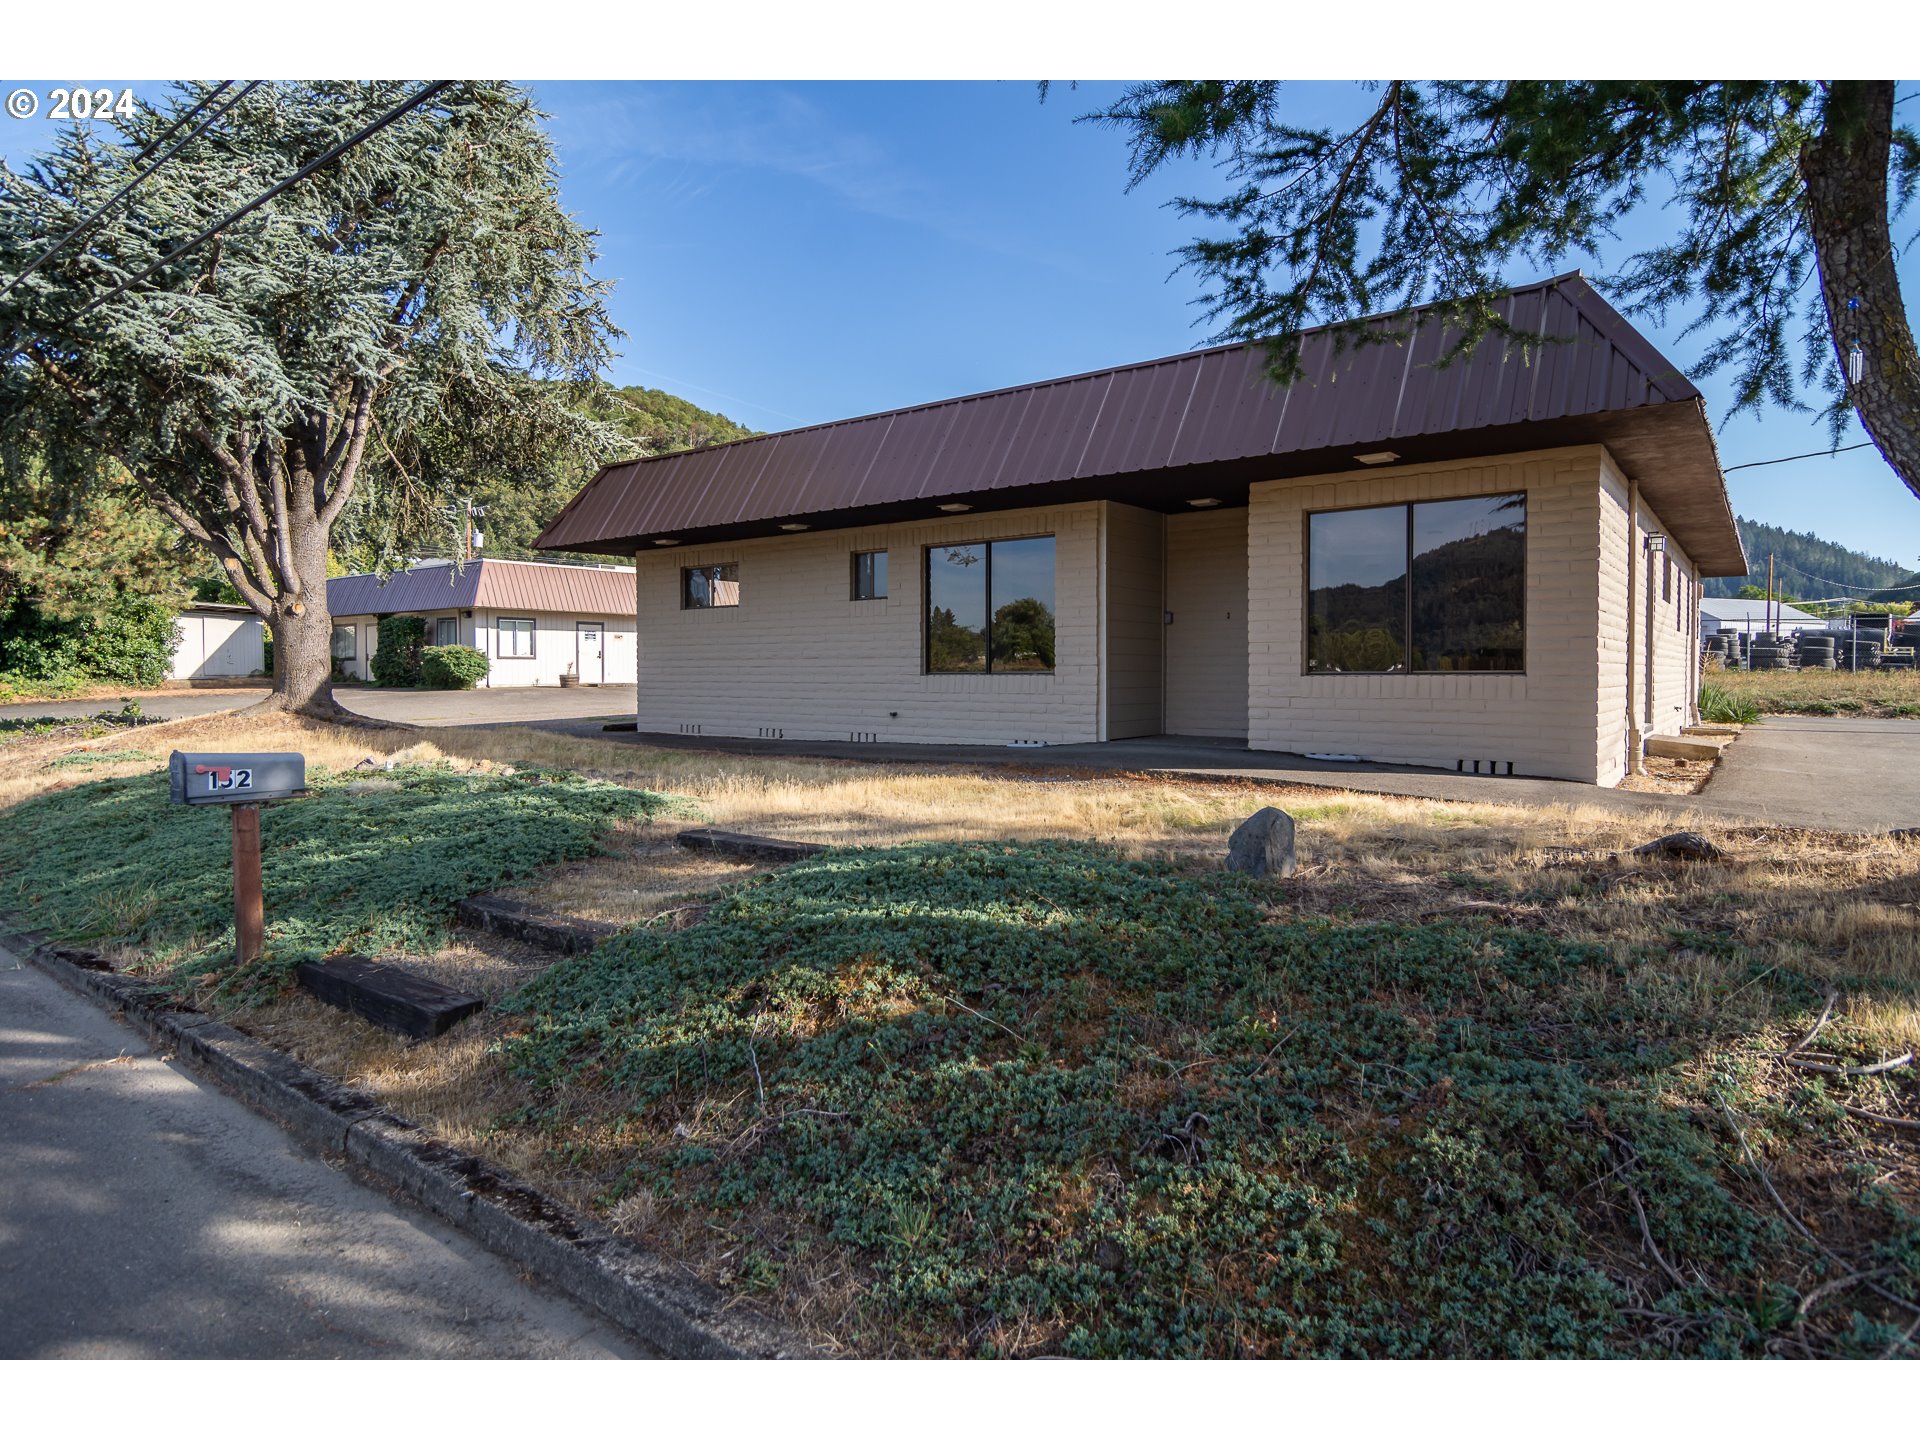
(1771, 656)
(1818, 650)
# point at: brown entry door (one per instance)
(589, 640)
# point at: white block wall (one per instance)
(798, 659)
(1666, 614)
(1544, 721)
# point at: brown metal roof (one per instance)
(486, 584)
(1205, 423)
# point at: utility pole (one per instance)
(1770, 629)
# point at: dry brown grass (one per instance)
(1886, 694)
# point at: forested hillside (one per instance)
(658, 423)
(1798, 557)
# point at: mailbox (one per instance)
(234, 779)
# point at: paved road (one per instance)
(519, 706)
(144, 1214)
(167, 704)
(1835, 774)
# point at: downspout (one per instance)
(1636, 738)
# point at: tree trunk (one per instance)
(303, 627)
(1846, 177)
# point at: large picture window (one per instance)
(1438, 586)
(710, 587)
(990, 607)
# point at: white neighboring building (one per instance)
(534, 621)
(212, 641)
(1753, 617)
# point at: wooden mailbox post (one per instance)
(240, 782)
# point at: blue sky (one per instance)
(796, 252)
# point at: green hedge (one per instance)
(452, 667)
(397, 660)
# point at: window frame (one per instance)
(440, 620)
(926, 604)
(1406, 671)
(686, 591)
(853, 587)
(501, 631)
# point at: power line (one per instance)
(419, 98)
(1810, 455)
(127, 188)
(1839, 584)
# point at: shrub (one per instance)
(131, 642)
(1720, 706)
(397, 659)
(452, 667)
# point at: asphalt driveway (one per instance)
(1824, 773)
(521, 706)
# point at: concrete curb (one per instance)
(680, 1317)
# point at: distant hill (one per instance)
(1798, 557)
(657, 421)
(663, 422)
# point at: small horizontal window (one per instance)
(870, 575)
(710, 587)
(515, 637)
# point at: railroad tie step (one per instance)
(747, 847)
(390, 997)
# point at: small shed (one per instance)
(215, 641)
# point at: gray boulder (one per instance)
(1681, 845)
(1263, 844)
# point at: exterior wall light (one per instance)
(1656, 542)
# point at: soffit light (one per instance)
(1378, 457)
(666, 542)
(794, 525)
(954, 507)
(1206, 504)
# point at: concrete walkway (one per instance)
(144, 1214)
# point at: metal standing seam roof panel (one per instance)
(1578, 358)
(486, 584)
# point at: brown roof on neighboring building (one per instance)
(486, 584)
(1205, 423)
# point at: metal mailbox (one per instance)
(215, 779)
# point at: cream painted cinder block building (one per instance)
(1492, 566)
